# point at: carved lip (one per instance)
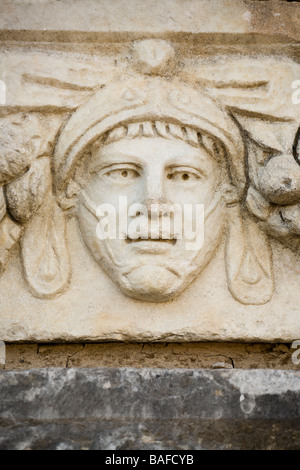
(151, 245)
(172, 241)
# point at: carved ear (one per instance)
(248, 260)
(45, 253)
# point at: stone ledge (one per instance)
(96, 19)
(162, 409)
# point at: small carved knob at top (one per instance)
(153, 56)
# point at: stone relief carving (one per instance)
(197, 135)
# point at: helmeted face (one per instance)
(153, 260)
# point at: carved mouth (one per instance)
(171, 241)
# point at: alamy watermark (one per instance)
(157, 222)
(2, 93)
(2, 353)
(296, 93)
(296, 354)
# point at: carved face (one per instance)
(156, 173)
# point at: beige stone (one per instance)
(150, 180)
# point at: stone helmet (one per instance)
(146, 99)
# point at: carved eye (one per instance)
(184, 175)
(122, 174)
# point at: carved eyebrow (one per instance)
(187, 168)
(100, 165)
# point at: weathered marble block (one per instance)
(149, 171)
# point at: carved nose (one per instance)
(157, 207)
(154, 194)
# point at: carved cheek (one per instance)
(106, 190)
(206, 191)
(202, 192)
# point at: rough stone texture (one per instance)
(162, 355)
(149, 409)
(194, 102)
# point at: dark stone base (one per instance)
(149, 409)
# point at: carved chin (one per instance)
(151, 283)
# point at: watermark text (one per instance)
(2, 353)
(157, 222)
